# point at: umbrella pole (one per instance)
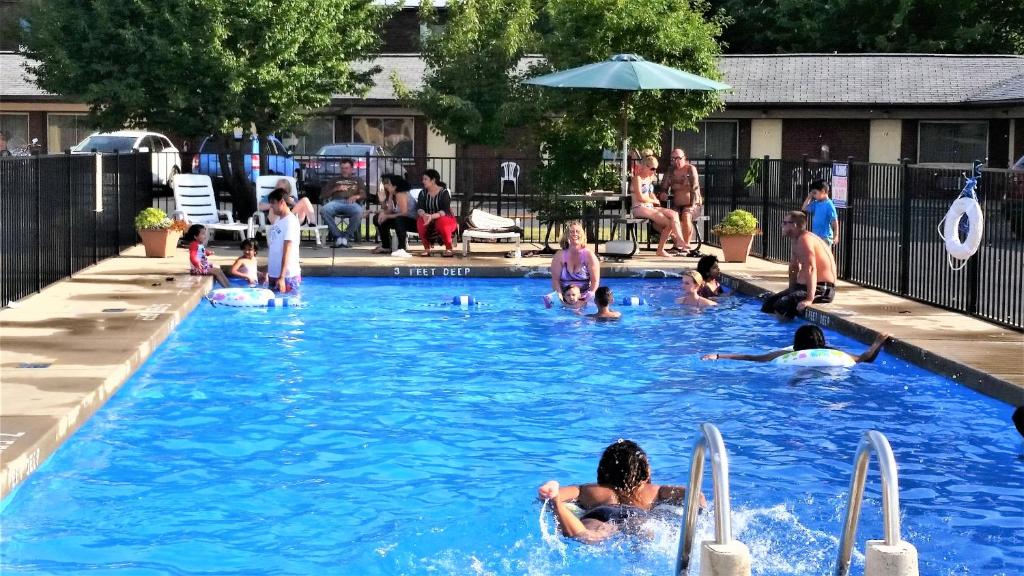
(623, 174)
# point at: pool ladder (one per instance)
(727, 557)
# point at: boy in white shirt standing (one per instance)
(283, 270)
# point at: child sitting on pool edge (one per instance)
(245, 267)
(197, 255)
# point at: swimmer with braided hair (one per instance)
(620, 501)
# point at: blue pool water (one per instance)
(376, 431)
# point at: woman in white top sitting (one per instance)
(646, 204)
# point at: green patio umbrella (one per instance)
(627, 73)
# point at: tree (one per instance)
(581, 123)
(471, 91)
(195, 67)
(928, 26)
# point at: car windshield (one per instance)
(107, 144)
(348, 150)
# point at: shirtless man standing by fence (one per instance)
(683, 184)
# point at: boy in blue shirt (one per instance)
(821, 212)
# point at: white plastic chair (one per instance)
(258, 221)
(509, 173)
(195, 199)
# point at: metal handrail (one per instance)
(709, 441)
(876, 442)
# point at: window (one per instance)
(15, 129)
(393, 133)
(952, 142)
(315, 132)
(65, 131)
(711, 140)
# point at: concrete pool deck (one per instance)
(66, 350)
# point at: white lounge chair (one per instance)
(258, 221)
(486, 226)
(195, 199)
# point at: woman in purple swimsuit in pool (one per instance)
(574, 264)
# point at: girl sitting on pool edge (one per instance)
(620, 501)
(806, 337)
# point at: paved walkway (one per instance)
(65, 351)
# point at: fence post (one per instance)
(804, 175)
(905, 227)
(974, 268)
(764, 204)
(39, 226)
(736, 183)
(71, 213)
(117, 201)
(501, 184)
(847, 235)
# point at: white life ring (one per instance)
(247, 298)
(970, 208)
(816, 357)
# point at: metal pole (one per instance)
(872, 441)
(764, 205)
(709, 441)
(905, 232)
(973, 264)
(39, 226)
(847, 236)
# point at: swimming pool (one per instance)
(378, 431)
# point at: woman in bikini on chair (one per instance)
(574, 264)
(646, 204)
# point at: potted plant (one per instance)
(737, 232)
(159, 233)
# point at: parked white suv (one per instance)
(164, 156)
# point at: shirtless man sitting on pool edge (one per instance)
(811, 263)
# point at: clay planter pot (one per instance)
(159, 242)
(736, 248)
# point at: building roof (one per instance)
(14, 81)
(870, 79)
(756, 80)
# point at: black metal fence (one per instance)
(888, 236)
(51, 224)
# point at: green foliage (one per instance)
(152, 218)
(571, 166)
(193, 67)
(925, 26)
(753, 174)
(737, 223)
(471, 91)
(582, 123)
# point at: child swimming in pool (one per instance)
(604, 298)
(620, 501)
(197, 255)
(692, 283)
(572, 298)
(806, 337)
(245, 267)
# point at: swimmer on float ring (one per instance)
(620, 501)
(808, 337)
